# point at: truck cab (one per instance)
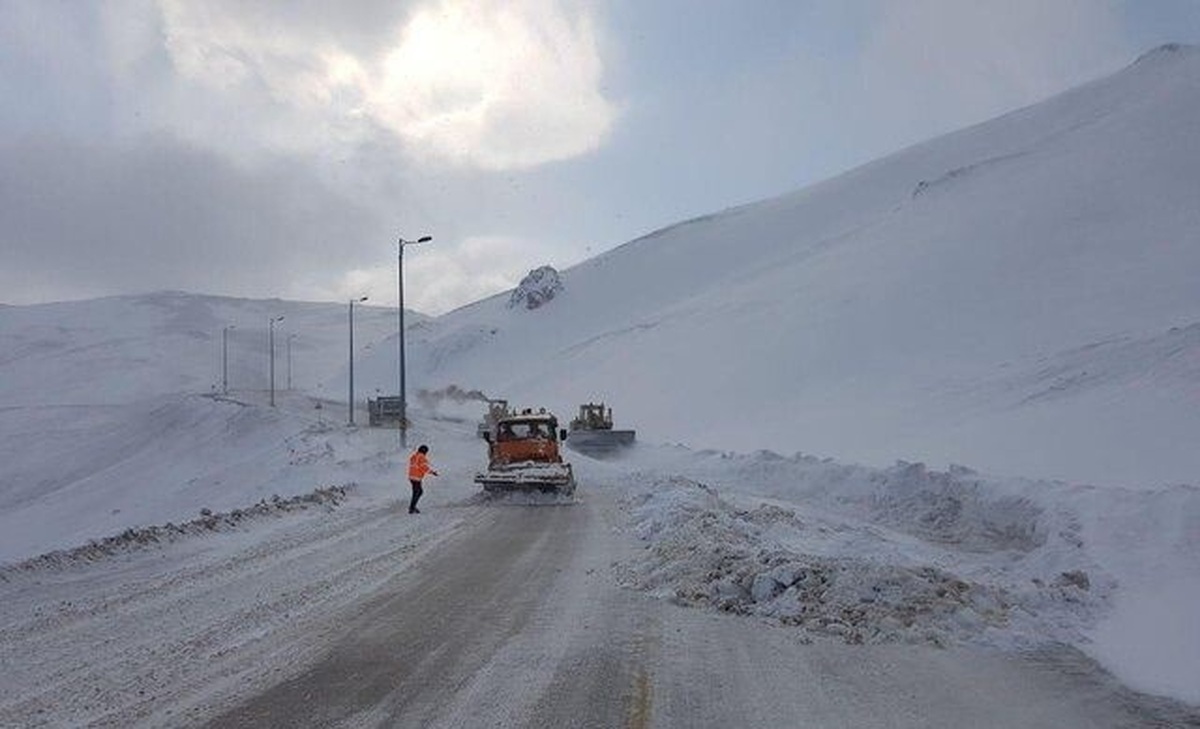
(524, 454)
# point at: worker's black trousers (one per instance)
(416, 496)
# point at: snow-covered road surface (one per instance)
(160, 636)
(476, 613)
(512, 621)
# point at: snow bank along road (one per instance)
(476, 614)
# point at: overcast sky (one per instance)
(279, 148)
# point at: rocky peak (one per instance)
(538, 287)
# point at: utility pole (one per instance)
(352, 303)
(400, 292)
(225, 359)
(271, 354)
(290, 337)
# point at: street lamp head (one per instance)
(425, 239)
(363, 298)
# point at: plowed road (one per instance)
(480, 615)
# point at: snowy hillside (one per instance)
(1019, 297)
(108, 420)
(121, 349)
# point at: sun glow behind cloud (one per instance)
(500, 84)
(490, 84)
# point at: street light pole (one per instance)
(400, 306)
(271, 347)
(352, 302)
(290, 337)
(225, 359)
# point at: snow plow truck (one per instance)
(523, 455)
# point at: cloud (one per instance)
(491, 84)
(934, 65)
(263, 149)
(502, 84)
(82, 220)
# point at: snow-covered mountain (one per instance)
(1019, 296)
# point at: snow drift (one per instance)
(907, 554)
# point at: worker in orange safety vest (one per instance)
(418, 468)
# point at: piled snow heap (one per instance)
(134, 538)
(900, 555)
(537, 288)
